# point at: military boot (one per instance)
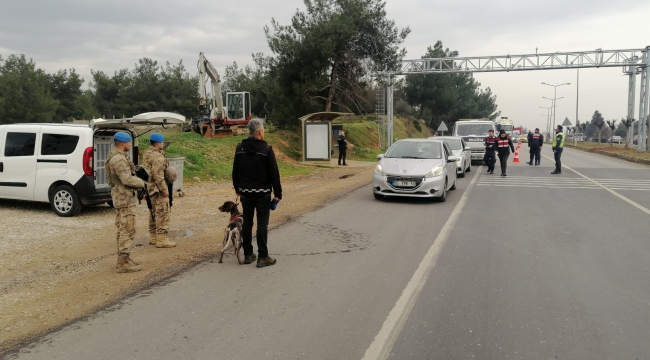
(126, 266)
(152, 238)
(162, 242)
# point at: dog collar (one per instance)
(235, 217)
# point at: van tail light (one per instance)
(88, 161)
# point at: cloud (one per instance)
(110, 35)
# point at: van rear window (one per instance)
(20, 144)
(58, 144)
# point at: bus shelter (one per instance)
(317, 136)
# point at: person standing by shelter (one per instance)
(343, 148)
(504, 145)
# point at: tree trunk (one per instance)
(333, 77)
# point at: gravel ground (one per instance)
(56, 270)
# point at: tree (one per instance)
(627, 122)
(255, 80)
(612, 125)
(24, 92)
(448, 97)
(324, 56)
(65, 87)
(598, 121)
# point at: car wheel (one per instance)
(110, 204)
(65, 202)
(453, 187)
(378, 196)
(469, 168)
(443, 197)
(461, 174)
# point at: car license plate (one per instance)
(402, 183)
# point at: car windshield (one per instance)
(454, 144)
(473, 129)
(415, 150)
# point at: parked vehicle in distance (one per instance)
(616, 139)
(462, 152)
(63, 164)
(474, 132)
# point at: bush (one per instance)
(417, 126)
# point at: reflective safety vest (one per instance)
(503, 143)
(558, 140)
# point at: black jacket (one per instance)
(255, 170)
(343, 145)
(535, 143)
(505, 150)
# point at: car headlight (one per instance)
(379, 171)
(458, 160)
(435, 172)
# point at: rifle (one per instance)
(144, 193)
(170, 189)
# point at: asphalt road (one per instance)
(533, 266)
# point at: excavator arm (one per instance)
(206, 70)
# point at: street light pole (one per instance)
(555, 98)
(575, 139)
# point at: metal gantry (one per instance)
(639, 58)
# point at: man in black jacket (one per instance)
(255, 175)
(535, 142)
(343, 148)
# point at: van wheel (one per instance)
(65, 202)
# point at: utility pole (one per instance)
(575, 138)
(555, 98)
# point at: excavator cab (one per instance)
(239, 106)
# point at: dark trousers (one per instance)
(489, 159)
(536, 154)
(503, 159)
(342, 155)
(262, 205)
(558, 161)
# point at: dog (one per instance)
(232, 232)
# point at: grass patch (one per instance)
(620, 149)
(212, 159)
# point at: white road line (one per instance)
(390, 330)
(636, 205)
(536, 186)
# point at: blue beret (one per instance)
(155, 137)
(122, 136)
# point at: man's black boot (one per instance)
(249, 258)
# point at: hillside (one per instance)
(212, 159)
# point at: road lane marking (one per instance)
(394, 323)
(636, 205)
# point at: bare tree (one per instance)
(612, 125)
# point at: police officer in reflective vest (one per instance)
(490, 147)
(535, 141)
(558, 146)
(504, 144)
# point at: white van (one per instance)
(64, 164)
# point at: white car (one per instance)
(420, 168)
(462, 152)
(64, 164)
(616, 139)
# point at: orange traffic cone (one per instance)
(516, 159)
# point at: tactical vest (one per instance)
(112, 178)
(536, 139)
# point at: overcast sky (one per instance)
(109, 35)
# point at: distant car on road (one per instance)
(462, 152)
(419, 168)
(616, 139)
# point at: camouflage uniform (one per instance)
(120, 173)
(154, 160)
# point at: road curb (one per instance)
(607, 153)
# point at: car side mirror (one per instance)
(452, 158)
(380, 156)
